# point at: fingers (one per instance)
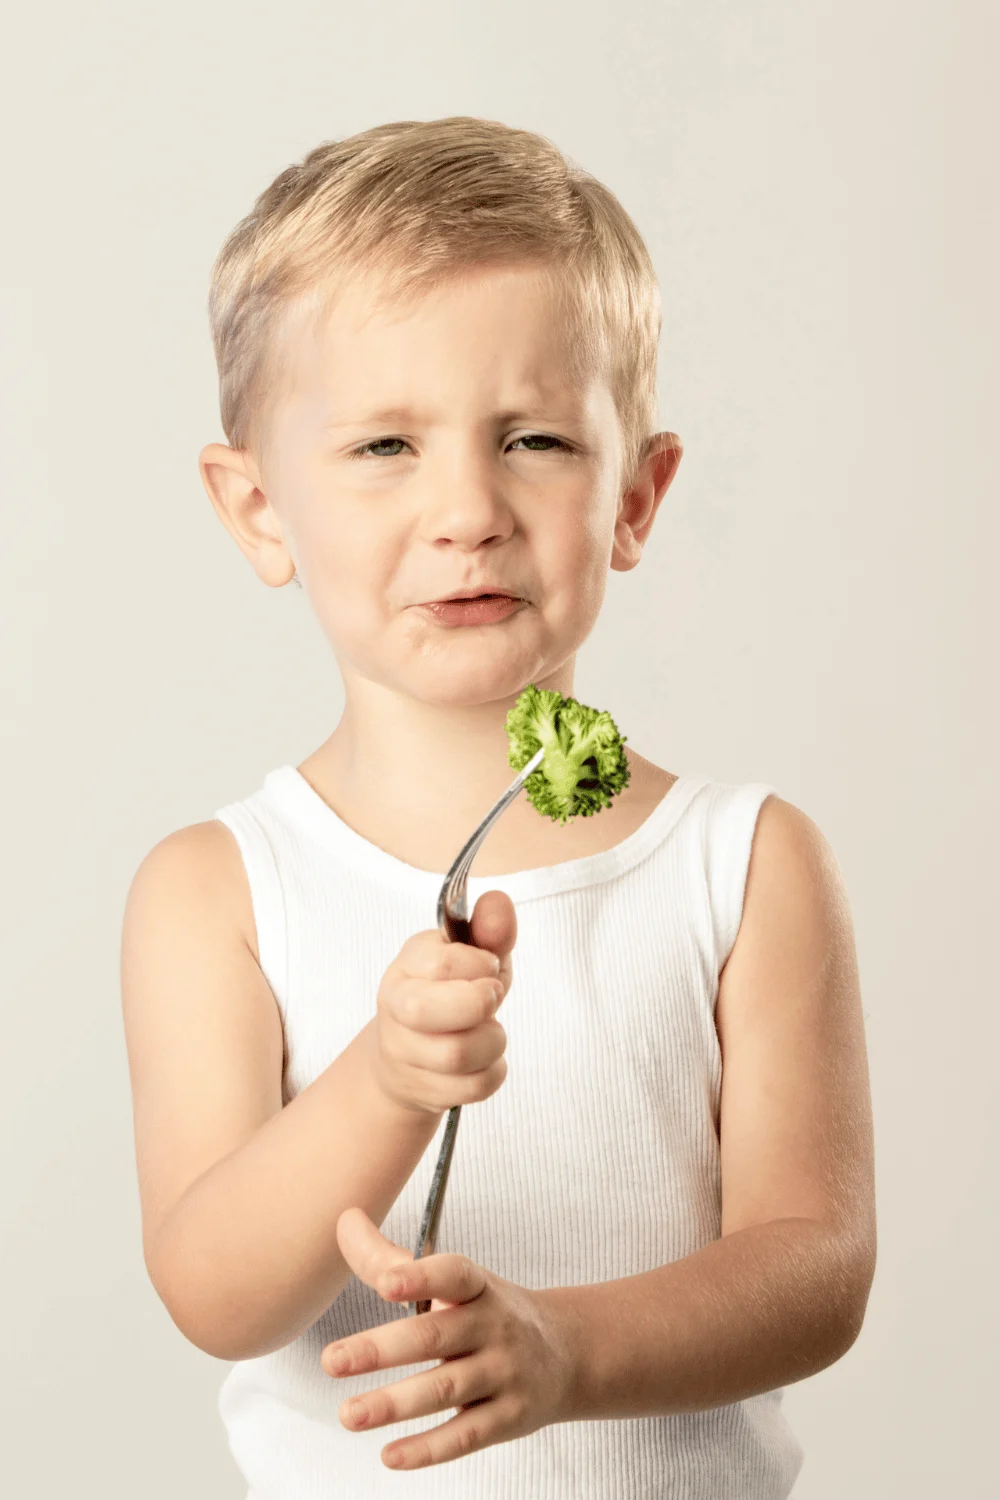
(463, 1052)
(429, 955)
(492, 1421)
(366, 1249)
(407, 1341)
(455, 1383)
(447, 1004)
(452, 1278)
(446, 1089)
(455, 1056)
(438, 1044)
(493, 932)
(493, 924)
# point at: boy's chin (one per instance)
(449, 686)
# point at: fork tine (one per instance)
(451, 902)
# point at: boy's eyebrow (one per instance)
(387, 414)
(405, 413)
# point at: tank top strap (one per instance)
(266, 890)
(730, 815)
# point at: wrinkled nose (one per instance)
(466, 502)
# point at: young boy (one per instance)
(437, 350)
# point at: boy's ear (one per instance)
(233, 484)
(640, 501)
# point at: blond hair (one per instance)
(413, 202)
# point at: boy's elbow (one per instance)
(859, 1308)
(206, 1317)
(195, 1313)
(212, 1333)
(203, 1336)
(856, 1274)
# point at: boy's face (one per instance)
(442, 447)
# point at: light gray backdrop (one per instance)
(816, 607)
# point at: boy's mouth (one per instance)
(473, 609)
(484, 593)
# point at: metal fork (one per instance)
(452, 919)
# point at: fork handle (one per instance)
(435, 1198)
(456, 930)
(454, 924)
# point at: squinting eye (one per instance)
(376, 443)
(539, 437)
(531, 437)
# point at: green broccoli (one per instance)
(584, 764)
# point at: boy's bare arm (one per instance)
(248, 1258)
(240, 1197)
(782, 1294)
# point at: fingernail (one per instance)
(338, 1362)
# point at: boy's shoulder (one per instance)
(200, 863)
(787, 836)
(793, 884)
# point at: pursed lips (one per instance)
(466, 598)
(477, 609)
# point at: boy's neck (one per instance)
(427, 825)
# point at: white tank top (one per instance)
(597, 1158)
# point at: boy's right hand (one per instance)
(437, 1043)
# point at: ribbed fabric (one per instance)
(597, 1158)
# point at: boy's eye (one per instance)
(539, 437)
(379, 443)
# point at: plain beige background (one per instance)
(817, 184)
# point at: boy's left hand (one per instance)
(508, 1362)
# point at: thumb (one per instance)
(493, 923)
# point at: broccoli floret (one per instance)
(584, 764)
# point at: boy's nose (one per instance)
(466, 501)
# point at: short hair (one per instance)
(413, 202)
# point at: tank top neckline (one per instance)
(299, 802)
